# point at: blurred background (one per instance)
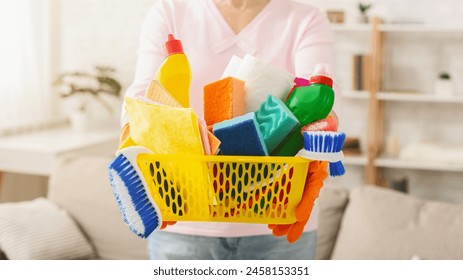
(64, 66)
(69, 62)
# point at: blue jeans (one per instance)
(172, 246)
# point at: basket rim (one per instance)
(227, 158)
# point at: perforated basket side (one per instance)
(225, 188)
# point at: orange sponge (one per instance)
(224, 100)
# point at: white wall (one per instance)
(101, 32)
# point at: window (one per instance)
(26, 97)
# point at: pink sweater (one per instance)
(291, 36)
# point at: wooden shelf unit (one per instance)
(372, 160)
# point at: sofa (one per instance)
(373, 223)
(79, 219)
(79, 185)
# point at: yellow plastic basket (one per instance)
(245, 189)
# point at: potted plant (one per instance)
(82, 90)
(363, 9)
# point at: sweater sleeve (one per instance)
(150, 54)
(315, 45)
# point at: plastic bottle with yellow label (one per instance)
(175, 73)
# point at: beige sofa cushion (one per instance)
(40, 230)
(80, 184)
(332, 202)
(384, 224)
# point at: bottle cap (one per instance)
(173, 46)
(324, 80)
(322, 75)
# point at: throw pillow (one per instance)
(38, 229)
(332, 202)
(384, 224)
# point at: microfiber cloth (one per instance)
(262, 79)
(241, 136)
(164, 129)
(204, 137)
(276, 121)
(214, 142)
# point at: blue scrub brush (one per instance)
(138, 209)
(325, 146)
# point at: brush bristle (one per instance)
(337, 169)
(326, 142)
(136, 208)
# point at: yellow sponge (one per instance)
(158, 93)
(164, 129)
(224, 100)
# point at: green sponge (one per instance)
(276, 122)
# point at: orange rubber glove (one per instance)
(314, 182)
(166, 223)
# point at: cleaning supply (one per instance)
(301, 82)
(214, 143)
(164, 129)
(313, 184)
(175, 73)
(232, 67)
(168, 131)
(313, 102)
(291, 145)
(204, 137)
(262, 79)
(138, 209)
(241, 136)
(210, 142)
(308, 103)
(224, 100)
(124, 138)
(276, 121)
(325, 146)
(330, 123)
(159, 94)
(298, 82)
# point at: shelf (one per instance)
(397, 28)
(379, 35)
(355, 160)
(33, 153)
(418, 97)
(420, 28)
(396, 163)
(417, 165)
(353, 94)
(350, 27)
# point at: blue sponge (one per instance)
(240, 136)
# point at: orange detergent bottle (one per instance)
(175, 73)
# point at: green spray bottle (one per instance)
(308, 103)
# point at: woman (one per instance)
(291, 36)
